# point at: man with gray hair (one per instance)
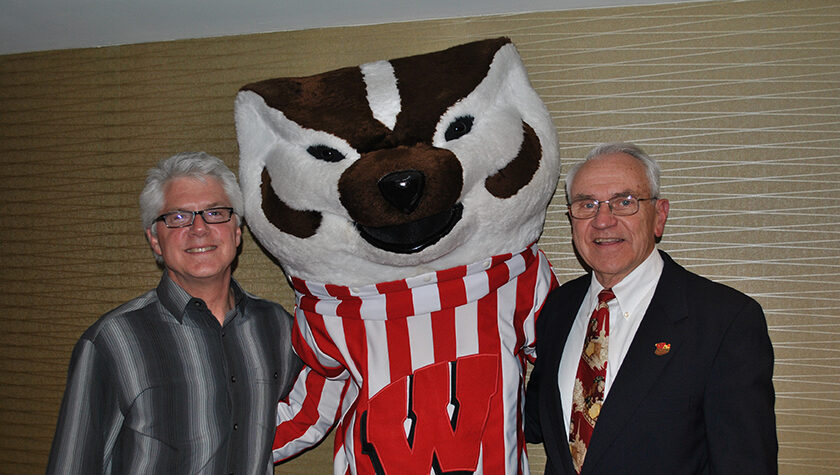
(185, 378)
(643, 366)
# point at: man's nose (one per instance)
(603, 216)
(199, 226)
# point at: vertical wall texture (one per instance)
(740, 102)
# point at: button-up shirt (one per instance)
(632, 298)
(157, 385)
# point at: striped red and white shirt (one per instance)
(434, 364)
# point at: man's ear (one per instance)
(154, 242)
(662, 206)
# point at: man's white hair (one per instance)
(652, 169)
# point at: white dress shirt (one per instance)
(632, 297)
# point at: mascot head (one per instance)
(396, 168)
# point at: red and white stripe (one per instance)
(377, 334)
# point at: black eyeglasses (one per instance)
(182, 219)
(619, 206)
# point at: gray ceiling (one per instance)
(36, 25)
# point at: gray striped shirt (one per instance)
(157, 386)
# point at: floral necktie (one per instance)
(588, 395)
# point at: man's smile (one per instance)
(602, 241)
(201, 249)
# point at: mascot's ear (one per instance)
(256, 136)
(253, 131)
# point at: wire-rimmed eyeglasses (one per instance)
(182, 219)
(620, 205)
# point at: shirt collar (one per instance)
(175, 299)
(635, 286)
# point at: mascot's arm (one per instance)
(322, 393)
(316, 347)
(544, 283)
(309, 412)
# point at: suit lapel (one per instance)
(562, 319)
(642, 367)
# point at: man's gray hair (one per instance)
(199, 165)
(652, 169)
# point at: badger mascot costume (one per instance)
(404, 199)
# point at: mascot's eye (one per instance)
(458, 128)
(327, 154)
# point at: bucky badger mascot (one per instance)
(404, 199)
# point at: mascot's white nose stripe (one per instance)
(382, 93)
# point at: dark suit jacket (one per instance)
(704, 407)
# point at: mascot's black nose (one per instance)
(403, 189)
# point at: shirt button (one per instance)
(276, 375)
(233, 379)
(236, 427)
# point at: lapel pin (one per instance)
(662, 348)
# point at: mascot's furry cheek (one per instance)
(519, 172)
(298, 223)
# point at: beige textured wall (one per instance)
(740, 101)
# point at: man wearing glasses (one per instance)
(186, 378)
(643, 366)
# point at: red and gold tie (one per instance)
(588, 395)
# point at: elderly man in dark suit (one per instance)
(642, 366)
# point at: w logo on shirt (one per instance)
(446, 410)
